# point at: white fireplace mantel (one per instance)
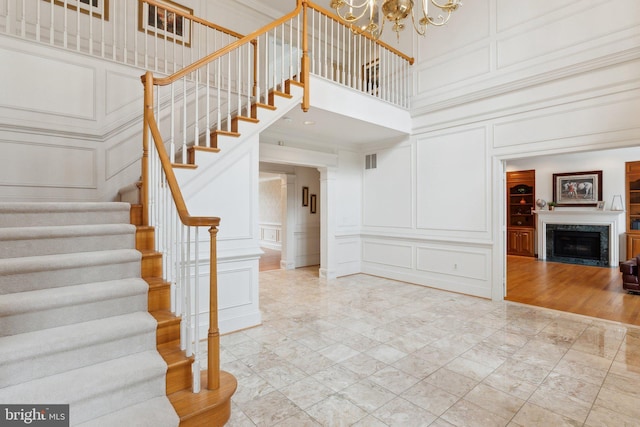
(580, 217)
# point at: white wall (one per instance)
(70, 133)
(503, 80)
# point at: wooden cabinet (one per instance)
(521, 222)
(520, 241)
(632, 170)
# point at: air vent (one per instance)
(371, 161)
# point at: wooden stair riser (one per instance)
(151, 264)
(179, 375)
(136, 215)
(159, 295)
(168, 331)
(235, 122)
(145, 238)
(274, 93)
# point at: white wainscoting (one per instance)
(307, 244)
(464, 268)
(271, 235)
(238, 294)
(348, 254)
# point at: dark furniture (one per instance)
(629, 270)
(521, 222)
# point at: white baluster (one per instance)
(196, 335)
(207, 135)
(184, 120)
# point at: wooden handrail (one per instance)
(152, 126)
(336, 18)
(194, 18)
(229, 48)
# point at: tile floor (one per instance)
(366, 351)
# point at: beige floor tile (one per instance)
(429, 397)
(531, 415)
(367, 395)
(336, 411)
(368, 351)
(452, 382)
(306, 392)
(467, 414)
(393, 379)
(495, 401)
(401, 413)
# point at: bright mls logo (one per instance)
(34, 415)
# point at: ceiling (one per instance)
(326, 128)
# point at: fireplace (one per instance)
(579, 248)
(578, 244)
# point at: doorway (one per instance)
(290, 225)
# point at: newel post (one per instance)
(306, 62)
(147, 81)
(213, 339)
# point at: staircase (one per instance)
(208, 407)
(74, 325)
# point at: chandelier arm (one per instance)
(352, 4)
(422, 29)
(449, 6)
(439, 20)
(353, 18)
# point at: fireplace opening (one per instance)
(578, 244)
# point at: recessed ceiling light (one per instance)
(309, 122)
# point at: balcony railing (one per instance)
(164, 38)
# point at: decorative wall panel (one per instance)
(461, 263)
(452, 178)
(388, 190)
(57, 166)
(40, 84)
(560, 32)
(395, 255)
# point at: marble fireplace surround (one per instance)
(577, 216)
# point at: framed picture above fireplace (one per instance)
(577, 188)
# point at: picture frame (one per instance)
(600, 205)
(577, 188)
(170, 24)
(313, 204)
(371, 77)
(305, 196)
(97, 8)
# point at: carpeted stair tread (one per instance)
(48, 308)
(47, 240)
(96, 390)
(50, 271)
(56, 213)
(27, 356)
(156, 412)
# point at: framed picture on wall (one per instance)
(305, 196)
(170, 22)
(97, 8)
(313, 203)
(577, 188)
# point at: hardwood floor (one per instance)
(591, 291)
(270, 260)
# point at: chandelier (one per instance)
(364, 15)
